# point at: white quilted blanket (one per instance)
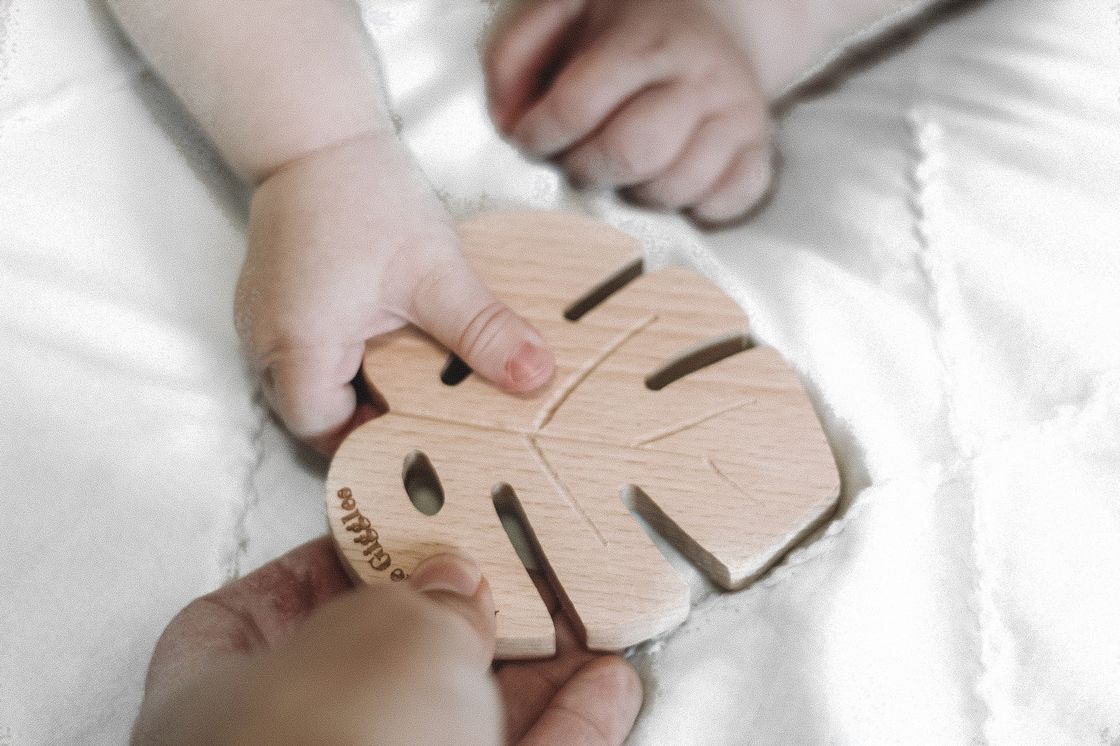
(941, 263)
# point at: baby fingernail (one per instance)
(530, 365)
(449, 573)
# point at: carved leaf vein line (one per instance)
(558, 484)
(691, 422)
(729, 481)
(549, 410)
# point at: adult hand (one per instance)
(576, 697)
(291, 654)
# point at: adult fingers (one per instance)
(596, 706)
(430, 640)
(528, 686)
(456, 584)
(395, 663)
(252, 613)
(640, 141)
(444, 611)
(449, 302)
(612, 69)
(521, 53)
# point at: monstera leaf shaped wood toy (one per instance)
(659, 405)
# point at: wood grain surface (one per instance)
(660, 405)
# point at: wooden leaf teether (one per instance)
(658, 404)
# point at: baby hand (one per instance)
(349, 243)
(652, 96)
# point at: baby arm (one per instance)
(666, 100)
(346, 240)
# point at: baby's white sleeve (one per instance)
(860, 23)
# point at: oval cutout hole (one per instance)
(455, 371)
(422, 483)
(701, 356)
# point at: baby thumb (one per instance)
(453, 305)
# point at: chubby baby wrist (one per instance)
(371, 145)
(780, 38)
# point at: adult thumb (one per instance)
(456, 583)
(451, 303)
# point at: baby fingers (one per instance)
(589, 88)
(658, 99)
(640, 141)
(725, 167)
(309, 387)
(449, 301)
(520, 54)
(740, 188)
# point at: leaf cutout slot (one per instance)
(677, 547)
(525, 543)
(366, 395)
(455, 371)
(513, 521)
(605, 289)
(421, 482)
(566, 451)
(698, 357)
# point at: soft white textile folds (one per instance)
(941, 263)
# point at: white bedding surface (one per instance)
(941, 263)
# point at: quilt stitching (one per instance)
(250, 496)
